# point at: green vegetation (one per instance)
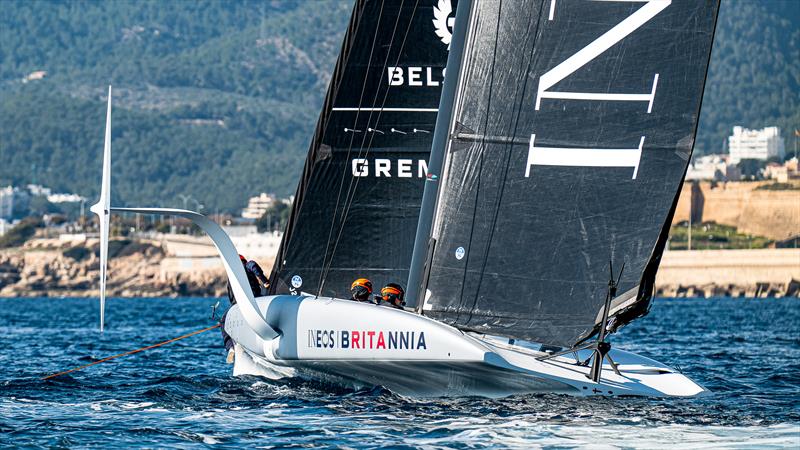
(21, 232)
(219, 99)
(754, 77)
(211, 98)
(77, 253)
(274, 218)
(712, 236)
(778, 187)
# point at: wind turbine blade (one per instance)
(102, 209)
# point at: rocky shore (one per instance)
(134, 271)
(759, 290)
(756, 273)
(145, 269)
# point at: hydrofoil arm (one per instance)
(230, 259)
(227, 251)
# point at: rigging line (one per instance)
(352, 188)
(482, 151)
(369, 146)
(375, 97)
(351, 32)
(510, 147)
(193, 333)
(351, 193)
(349, 148)
(345, 209)
(321, 281)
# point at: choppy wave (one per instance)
(745, 351)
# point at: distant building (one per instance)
(33, 76)
(708, 167)
(777, 172)
(252, 244)
(712, 168)
(258, 205)
(782, 173)
(65, 198)
(4, 226)
(13, 200)
(37, 189)
(755, 144)
(6, 202)
(793, 168)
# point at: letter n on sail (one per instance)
(583, 157)
(595, 49)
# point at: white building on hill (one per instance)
(258, 205)
(6, 202)
(755, 144)
(708, 167)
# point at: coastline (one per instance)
(146, 269)
(134, 271)
(756, 273)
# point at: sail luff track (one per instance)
(444, 124)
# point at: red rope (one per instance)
(133, 351)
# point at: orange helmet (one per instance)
(393, 293)
(361, 289)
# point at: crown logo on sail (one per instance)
(442, 21)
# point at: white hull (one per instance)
(361, 345)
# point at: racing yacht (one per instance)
(526, 198)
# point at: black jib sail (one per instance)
(357, 204)
(573, 125)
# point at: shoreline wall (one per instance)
(149, 272)
(736, 273)
(774, 214)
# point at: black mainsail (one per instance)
(572, 127)
(357, 203)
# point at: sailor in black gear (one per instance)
(394, 295)
(259, 284)
(361, 290)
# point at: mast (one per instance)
(438, 149)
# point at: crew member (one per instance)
(361, 290)
(394, 295)
(259, 284)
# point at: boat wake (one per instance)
(184, 395)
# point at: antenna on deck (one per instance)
(102, 209)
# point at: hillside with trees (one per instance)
(754, 76)
(219, 99)
(213, 99)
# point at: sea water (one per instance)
(183, 395)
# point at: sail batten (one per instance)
(571, 140)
